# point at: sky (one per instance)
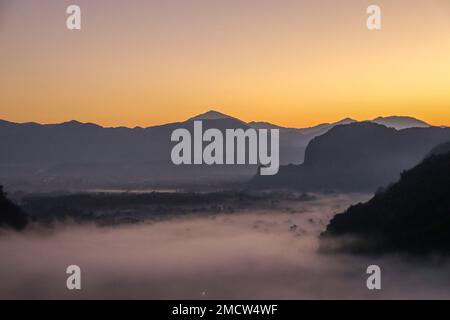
(290, 62)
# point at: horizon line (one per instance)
(198, 115)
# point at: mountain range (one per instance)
(358, 157)
(87, 155)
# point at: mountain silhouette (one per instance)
(412, 215)
(356, 157)
(11, 216)
(440, 149)
(401, 122)
(213, 115)
(86, 155)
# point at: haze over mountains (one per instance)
(400, 123)
(357, 157)
(86, 155)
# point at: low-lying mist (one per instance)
(253, 254)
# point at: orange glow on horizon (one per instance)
(293, 64)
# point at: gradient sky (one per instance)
(294, 63)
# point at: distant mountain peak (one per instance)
(72, 123)
(77, 124)
(212, 115)
(396, 118)
(401, 122)
(264, 125)
(347, 120)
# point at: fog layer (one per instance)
(249, 255)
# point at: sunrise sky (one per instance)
(291, 62)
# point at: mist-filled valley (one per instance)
(250, 250)
(349, 195)
(224, 151)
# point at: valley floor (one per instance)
(254, 253)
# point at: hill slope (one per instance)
(10, 214)
(411, 216)
(356, 157)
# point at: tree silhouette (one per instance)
(10, 214)
(412, 215)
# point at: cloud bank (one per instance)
(250, 255)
